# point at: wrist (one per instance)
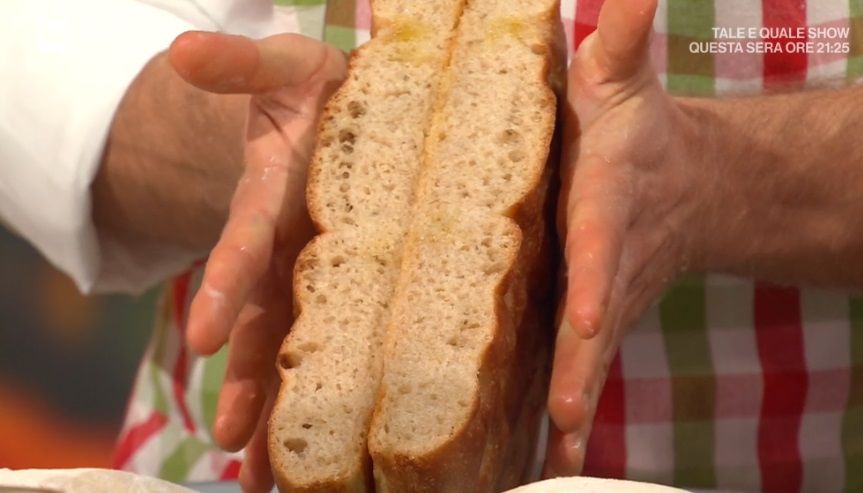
(715, 213)
(690, 180)
(173, 157)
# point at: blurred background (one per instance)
(67, 363)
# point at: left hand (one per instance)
(628, 195)
(245, 295)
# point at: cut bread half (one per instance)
(466, 342)
(425, 299)
(361, 185)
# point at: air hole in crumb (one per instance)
(347, 136)
(337, 261)
(503, 71)
(346, 175)
(344, 188)
(538, 49)
(321, 299)
(516, 155)
(346, 164)
(453, 341)
(509, 136)
(319, 386)
(441, 136)
(307, 426)
(290, 360)
(310, 288)
(311, 346)
(347, 148)
(356, 109)
(297, 445)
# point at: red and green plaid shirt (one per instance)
(726, 384)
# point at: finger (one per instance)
(577, 377)
(256, 475)
(622, 38)
(579, 372)
(597, 221)
(236, 264)
(565, 453)
(254, 346)
(224, 63)
(268, 202)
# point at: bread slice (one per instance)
(362, 182)
(428, 187)
(460, 398)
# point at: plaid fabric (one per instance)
(726, 384)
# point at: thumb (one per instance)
(226, 64)
(620, 44)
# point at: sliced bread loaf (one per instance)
(424, 299)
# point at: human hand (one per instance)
(627, 193)
(245, 295)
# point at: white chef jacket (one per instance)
(64, 67)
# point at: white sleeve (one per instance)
(65, 67)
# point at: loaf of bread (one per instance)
(418, 360)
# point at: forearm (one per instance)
(783, 182)
(172, 159)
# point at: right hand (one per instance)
(629, 193)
